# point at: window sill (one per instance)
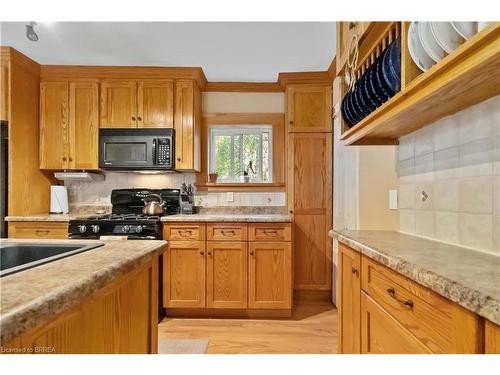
(240, 186)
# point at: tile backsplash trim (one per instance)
(456, 161)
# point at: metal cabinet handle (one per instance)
(355, 271)
(228, 231)
(251, 253)
(42, 231)
(188, 231)
(291, 211)
(352, 25)
(70, 159)
(139, 118)
(210, 253)
(178, 159)
(408, 303)
(64, 158)
(291, 122)
(202, 253)
(269, 232)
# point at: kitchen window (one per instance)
(236, 149)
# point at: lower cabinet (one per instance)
(38, 230)
(231, 272)
(121, 318)
(492, 338)
(184, 274)
(381, 311)
(349, 301)
(270, 281)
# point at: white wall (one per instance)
(456, 161)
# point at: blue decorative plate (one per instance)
(375, 82)
(381, 76)
(345, 114)
(390, 76)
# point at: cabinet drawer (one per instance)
(441, 325)
(382, 334)
(227, 232)
(28, 229)
(270, 232)
(184, 232)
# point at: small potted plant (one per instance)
(212, 177)
(245, 175)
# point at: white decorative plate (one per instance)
(445, 36)
(417, 52)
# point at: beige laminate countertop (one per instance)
(34, 296)
(467, 277)
(215, 217)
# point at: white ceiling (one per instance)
(247, 52)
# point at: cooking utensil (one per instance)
(153, 207)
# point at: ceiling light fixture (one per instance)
(30, 32)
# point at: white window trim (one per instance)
(215, 130)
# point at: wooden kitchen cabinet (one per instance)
(349, 301)
(309, 200)
(227, 274)
(137, 104)
(382, 334)
(270, 282)
(54, 125)
(184, 265)
(4, 90)
(119, 104)
(492, 338)
(309, 108)
(38, 229)
(69, 125)
(155, 100)
(187, 125)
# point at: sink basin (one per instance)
(18, 256)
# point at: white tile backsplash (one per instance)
(456, 160)
(98, 193)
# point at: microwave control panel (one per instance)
(164, 151)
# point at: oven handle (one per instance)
(155, 162)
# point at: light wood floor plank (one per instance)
(312, 329)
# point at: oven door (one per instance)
(135, 149)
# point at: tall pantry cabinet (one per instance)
(309, 173)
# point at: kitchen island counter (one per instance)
(35, 296)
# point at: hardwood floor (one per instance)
(312, 329)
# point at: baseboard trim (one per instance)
(313, 295)
(180, 312)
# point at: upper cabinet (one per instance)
(4, 90)
(137, 104)
(309, 108)
(187, 125)
(69, 125)
(119, 104)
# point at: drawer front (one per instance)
(227, 232)
(382, 334)
(41, 230)
(184, 232)
(270, 232)
(441, 325)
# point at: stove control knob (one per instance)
(138, 229)
(95, 228)
(126, 229)
(82, 228)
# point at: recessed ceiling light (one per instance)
(30, 32)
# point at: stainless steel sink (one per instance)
(19, 256)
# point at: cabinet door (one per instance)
(54, 125)
(118, 104)
(227, 274)
(349, 301)
(84, 125)
(309, 198)
(187, 126)
(382, 334)
(155, 101)
(184, 274)
(4, 90)
(309, 108)
(270, 275)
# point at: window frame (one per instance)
(241, 129)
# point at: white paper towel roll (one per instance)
(58, 200)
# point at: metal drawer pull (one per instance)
(408, 303)
(355, 271)
(44, 231)
(274, 232)
(188, 231)
(228, 231)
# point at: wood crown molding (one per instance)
(298, 78)
(243, 87)
(57, 72)
(16, 57)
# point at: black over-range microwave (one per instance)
(136, 149)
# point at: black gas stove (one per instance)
(126, 218)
